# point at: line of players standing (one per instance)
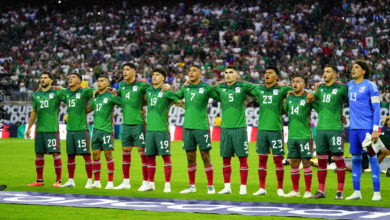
(153, 138)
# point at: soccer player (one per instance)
(132, 92)
(299, 136)
(196, 126)
(102, 136)
(77, 136)
(329, 102)
(270, 127)
(234, 140)
(364, 108)
(46, 102)
(157, 134)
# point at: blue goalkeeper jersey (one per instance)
(364, 105)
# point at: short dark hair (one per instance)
(48, 74)
(196, 66)
(161, 71)
(334, 68)
(78, 75)
(104, 76)
(232, 67)
(131, 65)
(274, 68)
(300, 75)
(364, 65)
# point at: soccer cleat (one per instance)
(123, 186)
(280, 192)
(293, 194)
(226, 190)
(260, 192)
(376, 196)
(97, 184)
(210, 189)
(57, 184)
(356, 195)
(69, 183)
(243, 190)
(307, 195)
(144, 184)
(36, 183)
(318, 195)
(167, 188)
(110, 185)
(147, 187)
(89, 184)
(339, 195)
(190, 189)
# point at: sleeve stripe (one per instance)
(375, 99)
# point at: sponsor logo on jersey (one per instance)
(361, 89)
(105, 100)
(135, 88)
(238, 89)
(334, 91)
(276, 92)
(78, 96)
(201, 90)
(51, 96)
(303, 102)
(160, 94)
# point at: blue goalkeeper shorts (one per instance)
(356, 137)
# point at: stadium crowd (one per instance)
(297, 38)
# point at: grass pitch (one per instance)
(17, 169)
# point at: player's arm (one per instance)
(180, 93)
(214, 93)
(174, 98)
(250, 89)
(33, 117)
(165, 87)
(117, 101)
(90, 108)
(375, 103)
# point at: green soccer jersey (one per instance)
(329, 105)
(103, 106)
(132, 95)
(77, 108)
(46, 105)
(270, 106)
(158, 108)
(298, 117)
(196, 99)
(232, 103)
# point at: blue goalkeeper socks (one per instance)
(375, 173)
(356, 171)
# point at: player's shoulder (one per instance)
(141, 81)
(221, 84)
(371, 84)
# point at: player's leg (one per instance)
(108, 147)
(382, 154)
(127, 142)
(294, 155)
(189, 145)
(355, 148)
(52, 142)
(277, 144)
(85, 151)
(336, 143)
(322, 149)
(306, 154)
(163, 141)
(262, 148)
(39, 159)
(139, 141)
(96, 146)
(203, 141)
(240, 146)
(226, 152)
(375, 172)
(150, 152)
(71, 152)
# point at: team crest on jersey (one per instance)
(238, 89)
(135, 88)
(105, 100)
(51, 96)
(160, 94)
(334, 91)
(322, 90)
(303, 102)
(276, 92)
(188, 89)
(123, 88)
(201, 90)
(361, 89)
(78, 96)
(262, 92)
